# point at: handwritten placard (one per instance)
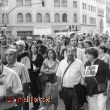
(91, 71)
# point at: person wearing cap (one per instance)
(23, 56)
(41, 49)
(21, 70)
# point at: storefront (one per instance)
(23, 34)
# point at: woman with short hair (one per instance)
(96, 77)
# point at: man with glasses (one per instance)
(79, 54)
(70, 79)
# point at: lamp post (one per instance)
(43, 4)
(7, 14)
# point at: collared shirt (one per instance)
(22, 72)
(24, 59)
(9, 81)
(73, 74)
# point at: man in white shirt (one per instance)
(21, 70)
(71, 78)
(10, 86)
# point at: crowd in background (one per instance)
(42, 55)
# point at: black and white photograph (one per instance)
(54, 54)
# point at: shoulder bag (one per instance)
(61, 91)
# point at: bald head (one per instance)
(11, 55)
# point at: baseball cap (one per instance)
(20, 42)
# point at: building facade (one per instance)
(24, 17)
(108, 15)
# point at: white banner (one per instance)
(42, 31)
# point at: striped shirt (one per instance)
(22, 71)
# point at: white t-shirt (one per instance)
(73, 74)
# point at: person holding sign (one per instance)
(97, 78)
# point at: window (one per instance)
(64, 3)
(75, 18)
(28, 17)
(89, 8)
(19, 2)
(92, 8)
(84, 18)
(100, 12)
(56, 3)
(27, 2)
(19, 17)
(74, 4)
(57, 17)
(83, 5)
(47, 17)
(64, 17)
(39, 17)
(92, 20)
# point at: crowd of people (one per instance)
(74, 68)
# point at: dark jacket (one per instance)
(38, 61)
(103, 74)
(42, 49)
(22, 55)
